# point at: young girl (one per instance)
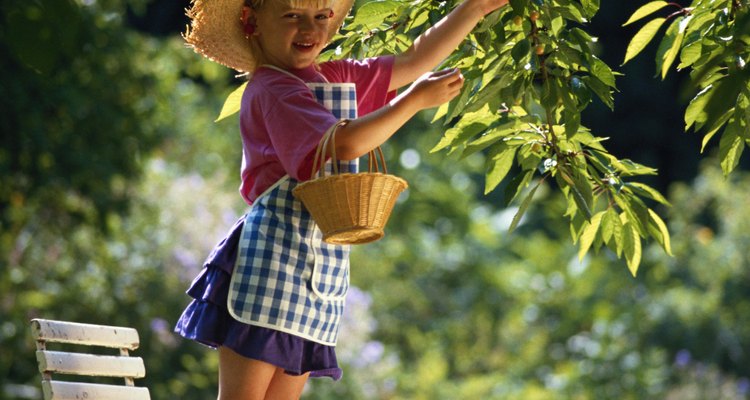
(271, 293)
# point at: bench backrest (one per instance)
(85, 364)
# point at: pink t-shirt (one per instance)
(281, 122)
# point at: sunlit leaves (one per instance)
(372, 13)
(732, 144)
(470, 125)
(590, 231)
(662, 233)
(632, 247)
(521, 108)
(645, 11)
(500, 160)
(642, 38)
(670, 45)
(711, 39)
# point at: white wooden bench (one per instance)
(85, 364)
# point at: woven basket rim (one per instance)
(345, 175)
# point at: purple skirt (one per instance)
(207, 320)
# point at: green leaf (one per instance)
(669, 47)
(695, 112)
(646, 10)
(610, 225)
(632, 247)
(519, 6)
(524, 206)
(521, 50)
(662, 228)
(518, 183)
(584, 192)
(581, 190)
(549, 94)
(469, 125)
(692, 49)
(619, 235)
(602, 71)
(635, 211)
(491, 136)
(499, 166)
(629, 168)
(572, 123)
(723, 97)
(572, 12)
(558, 23)
(642, 38)
(600, 89)
(372, 13)
(583, 38)
(489, 92)
(690, 54)
(731, 146)
(644, 190)
(232, 103)
(589, 234)
(458, 104)
(590, 7)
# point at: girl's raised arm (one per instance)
(437, 43)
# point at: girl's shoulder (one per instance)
(268, 82)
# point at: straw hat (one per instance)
(217, 33)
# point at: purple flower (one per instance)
(372, 352)
(159, 325)
(682, 358)
(743, 386)
(357, 298)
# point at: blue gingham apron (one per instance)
(286, 278)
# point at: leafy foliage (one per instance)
(67, 154)
(530, 72)
(712, 40)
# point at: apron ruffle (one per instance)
(207, 320)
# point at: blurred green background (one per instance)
(115, 183)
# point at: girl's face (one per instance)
(292, 37)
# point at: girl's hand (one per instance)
(435, 88)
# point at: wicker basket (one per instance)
(349, 208)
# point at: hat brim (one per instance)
(215, 31)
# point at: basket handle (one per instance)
(372, 161)
(330, 137)
(320, 154)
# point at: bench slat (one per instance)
(58, 390)
(87, 334)
(89, 364)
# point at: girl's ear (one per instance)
(246, 13)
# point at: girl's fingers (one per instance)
(457, 80)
